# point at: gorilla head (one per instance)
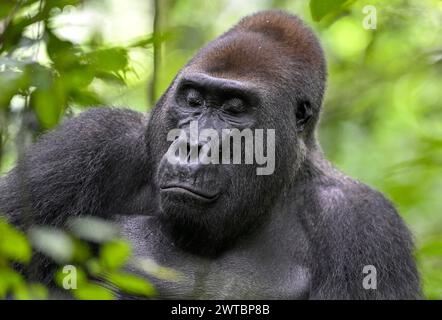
(267, 72)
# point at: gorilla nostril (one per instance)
(197, 151)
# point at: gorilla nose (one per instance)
(185, 163)
(192, 155)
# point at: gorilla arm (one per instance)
(94, 164)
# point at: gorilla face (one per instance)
(245, 80)
(210, 203)
(211, 104)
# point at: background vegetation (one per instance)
(382, 113)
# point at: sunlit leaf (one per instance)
(78, 78)
(94, 267)
(115, 254)
(33, 291)
(11, 84)
(93, 229)
(131, 284)
(9, 279)
(320, 8)
(63, 53)
(6, 8)
(62, 274)
(48, 105)
(62, 3)
(145, 42)
(110, 77)
(12, 35)
(53, 243)
(90, 291)
(82, 252)
(13, 244)
(38, 291)
(107, 60)
(85, 98)
(3, 287)
(49, 98)
(150, 267)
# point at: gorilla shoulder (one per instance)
(358, 228)
(104, 123)
(79, 167)
(352, 204)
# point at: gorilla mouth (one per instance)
(190, 191)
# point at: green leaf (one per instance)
(82, 252)
(114, 255)
(320, 8)
(131, 284)
(53, 243)
(94, 267)
(9, 279)
(11, 83)
(77, 79)
(13, 33)
(3, 287)
(49, 98)
(39, 76)
(63, 53)
(6, 8)
(110, 78)
(144, 42)
(60, 276)
(150, 267)
(48, 106)
(13, 244)
(33, 291)
(61, 3)
(107, 60)
(38, 291)
(85, 98)
(21, 293)
(90, 291)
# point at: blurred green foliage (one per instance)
(62, 81)
(14, 246)
(93, 251)
(382, 113)
(96, 274)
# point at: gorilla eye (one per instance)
(234, 106)
(194, 99)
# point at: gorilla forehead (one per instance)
(245, 57)
(265, 47)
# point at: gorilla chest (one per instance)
(249, 271)
(236, 277)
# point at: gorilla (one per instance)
(306, 231)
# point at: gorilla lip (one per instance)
(188, 190)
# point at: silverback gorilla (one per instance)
(304, 232)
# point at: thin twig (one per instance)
(156, 51)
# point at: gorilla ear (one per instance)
(303, 114)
